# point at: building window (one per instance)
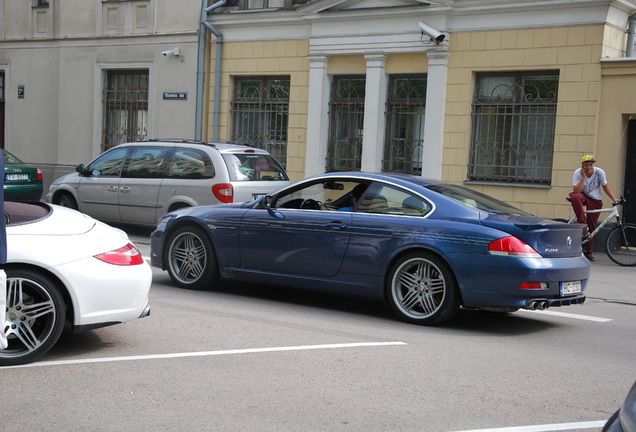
(260, 113)
(514, 116)
(125, 101)
(264, 4)
(406, 104)
(346, 122)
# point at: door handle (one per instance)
(124, 189)
(336, 226)
(111, 188)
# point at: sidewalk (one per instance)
(610, 281)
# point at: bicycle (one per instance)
(620, 244)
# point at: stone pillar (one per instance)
(317, 115)
(374, 108)
(435, 112)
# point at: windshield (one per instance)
(254, 167)
(9, 158)
(477, 200)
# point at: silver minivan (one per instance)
(136, 183)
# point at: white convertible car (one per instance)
(66, 267)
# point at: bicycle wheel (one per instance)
(622, 248)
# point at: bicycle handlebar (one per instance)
(621, 201)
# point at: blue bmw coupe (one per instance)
(424, 247)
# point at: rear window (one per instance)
(254, 167)
(477, 200)
(9, 158)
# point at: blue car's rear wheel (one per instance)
(422, 290)
(190, 259)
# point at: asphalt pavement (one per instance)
(611, 282)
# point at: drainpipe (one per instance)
(198, 126)
(629, 50)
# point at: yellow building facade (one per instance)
(318, 41)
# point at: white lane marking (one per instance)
(545, 428)
(569, 315)
(206, 353)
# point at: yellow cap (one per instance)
(588, 158)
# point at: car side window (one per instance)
(190, 164)
(109, 164)
(388, 199)
(322, 195)
(146, 162)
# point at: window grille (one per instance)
(514, 118)
(264, 4)
(125, 107)
(346, 122)
(406, 104)
(260, 113)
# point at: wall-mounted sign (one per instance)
(175, 95)
(20, 91)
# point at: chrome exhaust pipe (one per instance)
(532, 305)
(542, 305)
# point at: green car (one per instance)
(21, 182)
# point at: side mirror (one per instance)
(80, 169)
(267, 202)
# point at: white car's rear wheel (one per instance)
(35, 316)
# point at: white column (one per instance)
(435, 111)
(374, 105)
(317, 116)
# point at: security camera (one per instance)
(435, 35)
(174, 52)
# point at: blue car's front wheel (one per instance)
(422, 290)
(191, 261)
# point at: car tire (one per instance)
(35, 316)
(190, 259)
(421, 289)
(66, 200)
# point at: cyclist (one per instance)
(587, 183)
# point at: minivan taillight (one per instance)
(39, 176)
(224, 192)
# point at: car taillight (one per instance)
(127, 255)
(224, 192)
(39, 176)
(534, 285)
(512, 246)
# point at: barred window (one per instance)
(264, 4)
(260, 113)
(125, 100)
(346, 122)
(406, 104)
(514, 116)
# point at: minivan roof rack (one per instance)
(179, 140)
(210, 143)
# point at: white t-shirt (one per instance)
(592, 186)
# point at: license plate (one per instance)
(17, 177)
(568, 288)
